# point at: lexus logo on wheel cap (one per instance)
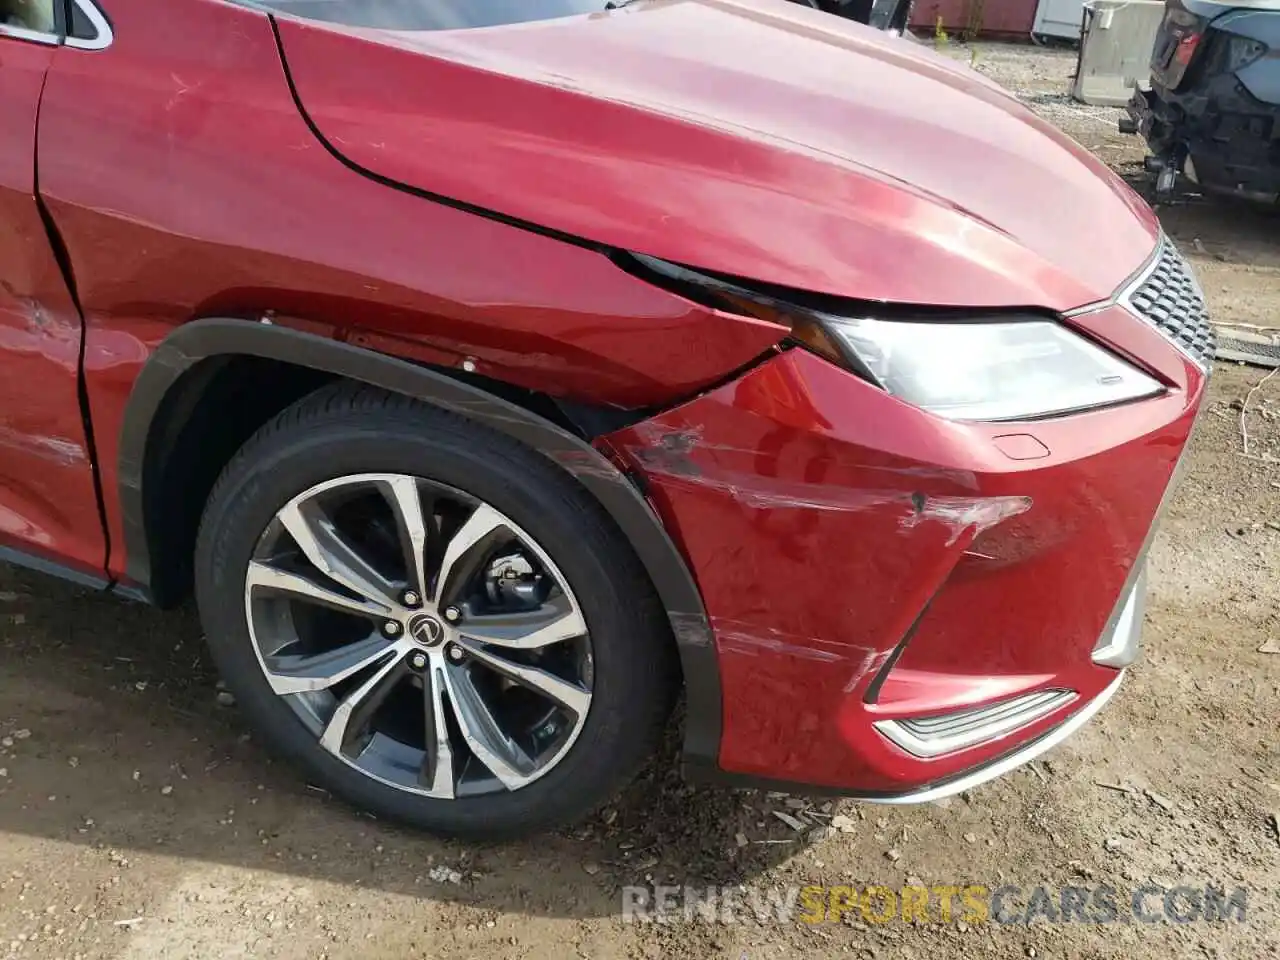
(426, 630)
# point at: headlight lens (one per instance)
(981, 368)
(989, 370)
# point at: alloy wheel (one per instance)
(420, 634)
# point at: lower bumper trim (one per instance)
(1119, 644)
(946, 733)
(1001, 766)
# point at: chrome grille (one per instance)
(1168, 297)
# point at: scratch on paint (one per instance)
(962, 514)
(766, 493)
(752, 639)
(871, 664)
(745, 637)
(59, 450)
(668, 451)
(180, 89)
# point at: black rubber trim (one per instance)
(53, 569)
(202, 339)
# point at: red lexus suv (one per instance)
(496, 372)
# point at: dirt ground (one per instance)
(139, 820)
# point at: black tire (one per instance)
(350, 429)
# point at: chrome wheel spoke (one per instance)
(299, 674)
(503, 757)
(555, 621)
(322, 544)
(405, 498)
(437, 762)
(263, 576)
(461, 664)
(350, 719)
(569, 695)
(466, 549)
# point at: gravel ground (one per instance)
(139, 820)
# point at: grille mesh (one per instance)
(1170, 299)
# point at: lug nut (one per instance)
(452, 614)
(411, 598)
(391, 628)
(456, 653)
(418, 661)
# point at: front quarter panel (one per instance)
(185, 183)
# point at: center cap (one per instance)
(428, 631)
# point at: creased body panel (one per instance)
(821, 538)
(756, 139)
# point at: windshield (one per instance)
(433, 14)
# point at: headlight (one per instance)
(989, 370)
(978, 368)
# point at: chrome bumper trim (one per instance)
(945, 733)
(1119, 644)
(1000, 767)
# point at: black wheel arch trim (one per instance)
(210, 338)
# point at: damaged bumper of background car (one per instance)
(1213, 110)
(905, 605)
(1226, 143)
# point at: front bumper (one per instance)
(1220, 137)
(868, 567)
(1158, 124)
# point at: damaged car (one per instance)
(498, 373)
(1213, 110)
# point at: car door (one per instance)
(48, 501)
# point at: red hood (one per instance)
(752, 137)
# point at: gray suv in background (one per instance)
(1213, 111)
